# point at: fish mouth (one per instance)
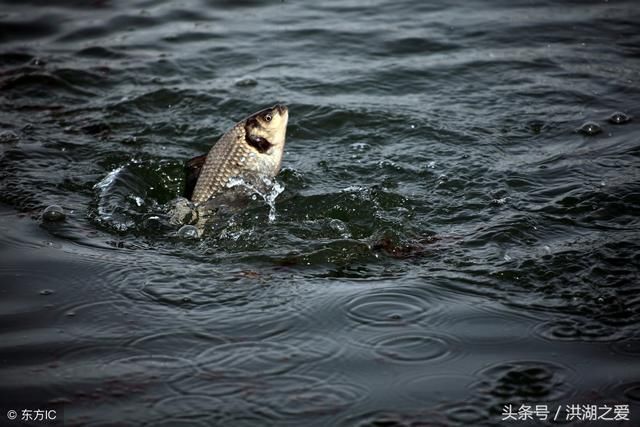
(281, 108)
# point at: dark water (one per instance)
(447, 242)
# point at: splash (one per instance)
(272, 190)
(108, 180)
(122, 199)
(108, 210)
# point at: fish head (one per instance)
(266, 130)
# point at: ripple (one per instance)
(490, 328)
(266, 322)
(187, 343)
(221, 302)
(97, 319)
(396, 419)
(629, 346)
(42, 85)
(578, 330)
(259, 400)
(149, 362)
(618, 118)
(215, 384)
(437, 388)
(388, 307)
(16, 232)
(40, 273)
(191, 407)
(302, 396)
(99, 372)
(589, 129)
(525, 381)
(411, 346)
(415, 45)
(267, 357)
(466, 414)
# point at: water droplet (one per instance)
(131, 139)
(274, 188)
(619, 118)
(246, 82)
(38, 62)
(188, 232)
(360, 146)
(589, 129)
(53, 213)
(270, 198)
(500, 201)
(337, 225)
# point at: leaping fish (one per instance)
(250, 151)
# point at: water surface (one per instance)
(450, 239)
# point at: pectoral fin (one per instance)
(192, 170)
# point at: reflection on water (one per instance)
(455, 227)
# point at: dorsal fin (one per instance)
(192, 171)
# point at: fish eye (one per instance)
(268, 117)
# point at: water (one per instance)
(449, 238)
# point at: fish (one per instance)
(251, 151)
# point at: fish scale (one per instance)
(223, 162)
